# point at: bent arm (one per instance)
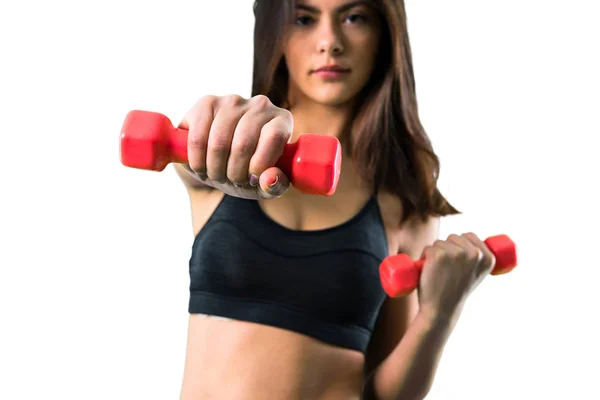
(409, 342)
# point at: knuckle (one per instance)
(438, 243)
(195, 166)
(437, 248)
(286, 114)
(197, 141)
(427, 252)
(281, 135)
(244, 146)
(287, 118)
(258, 164)
(237, 176)
(261, 102)
(234, 177)
(218, 146)
(276, 136)
(206, 101)
(216, 176)
(437, 255)
(232, 100)
(470, 235)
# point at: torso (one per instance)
(242, 360)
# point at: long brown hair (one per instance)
(386, 137)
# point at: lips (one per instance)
(332, 68)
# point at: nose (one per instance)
(329, 38)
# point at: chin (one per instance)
(333, 98)
(333, 102)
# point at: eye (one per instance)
(355, 18)
(304, 20)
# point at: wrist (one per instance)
(435, 319)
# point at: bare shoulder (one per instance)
(391, 211)
(411, 236)
(418, 234)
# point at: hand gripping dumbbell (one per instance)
(400, 274)
(150, 141)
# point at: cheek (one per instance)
(294, 57)
(369, 46)
(365, 59)
(296, 77)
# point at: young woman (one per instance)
(285, 297)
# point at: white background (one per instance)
(93, 255)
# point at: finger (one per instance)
(243, 146)
(488, 260)
(198, 121)
(444, 245)
(474, 240)
(461, 242)
(437, 250)
(273, 183)
(428, 252)
(434, 254)
(220, 137)
(467, 248)
(274, 135)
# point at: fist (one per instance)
(453, 268)
(234, 143)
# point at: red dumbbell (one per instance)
(400, 274)
(150, 141)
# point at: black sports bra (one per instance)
(323, 283)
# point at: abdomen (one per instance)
(241, 360)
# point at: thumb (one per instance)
(272, 183)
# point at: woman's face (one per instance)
(331, 50)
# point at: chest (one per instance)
(298, 212)
(331, 274)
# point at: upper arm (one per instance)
(397, 313)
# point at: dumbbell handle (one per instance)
(178, 150)
(400, 275)
(177, 142)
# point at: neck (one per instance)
(319, 119)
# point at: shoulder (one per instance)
(418, 234)
(412, 235)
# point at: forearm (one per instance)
(408, 372)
